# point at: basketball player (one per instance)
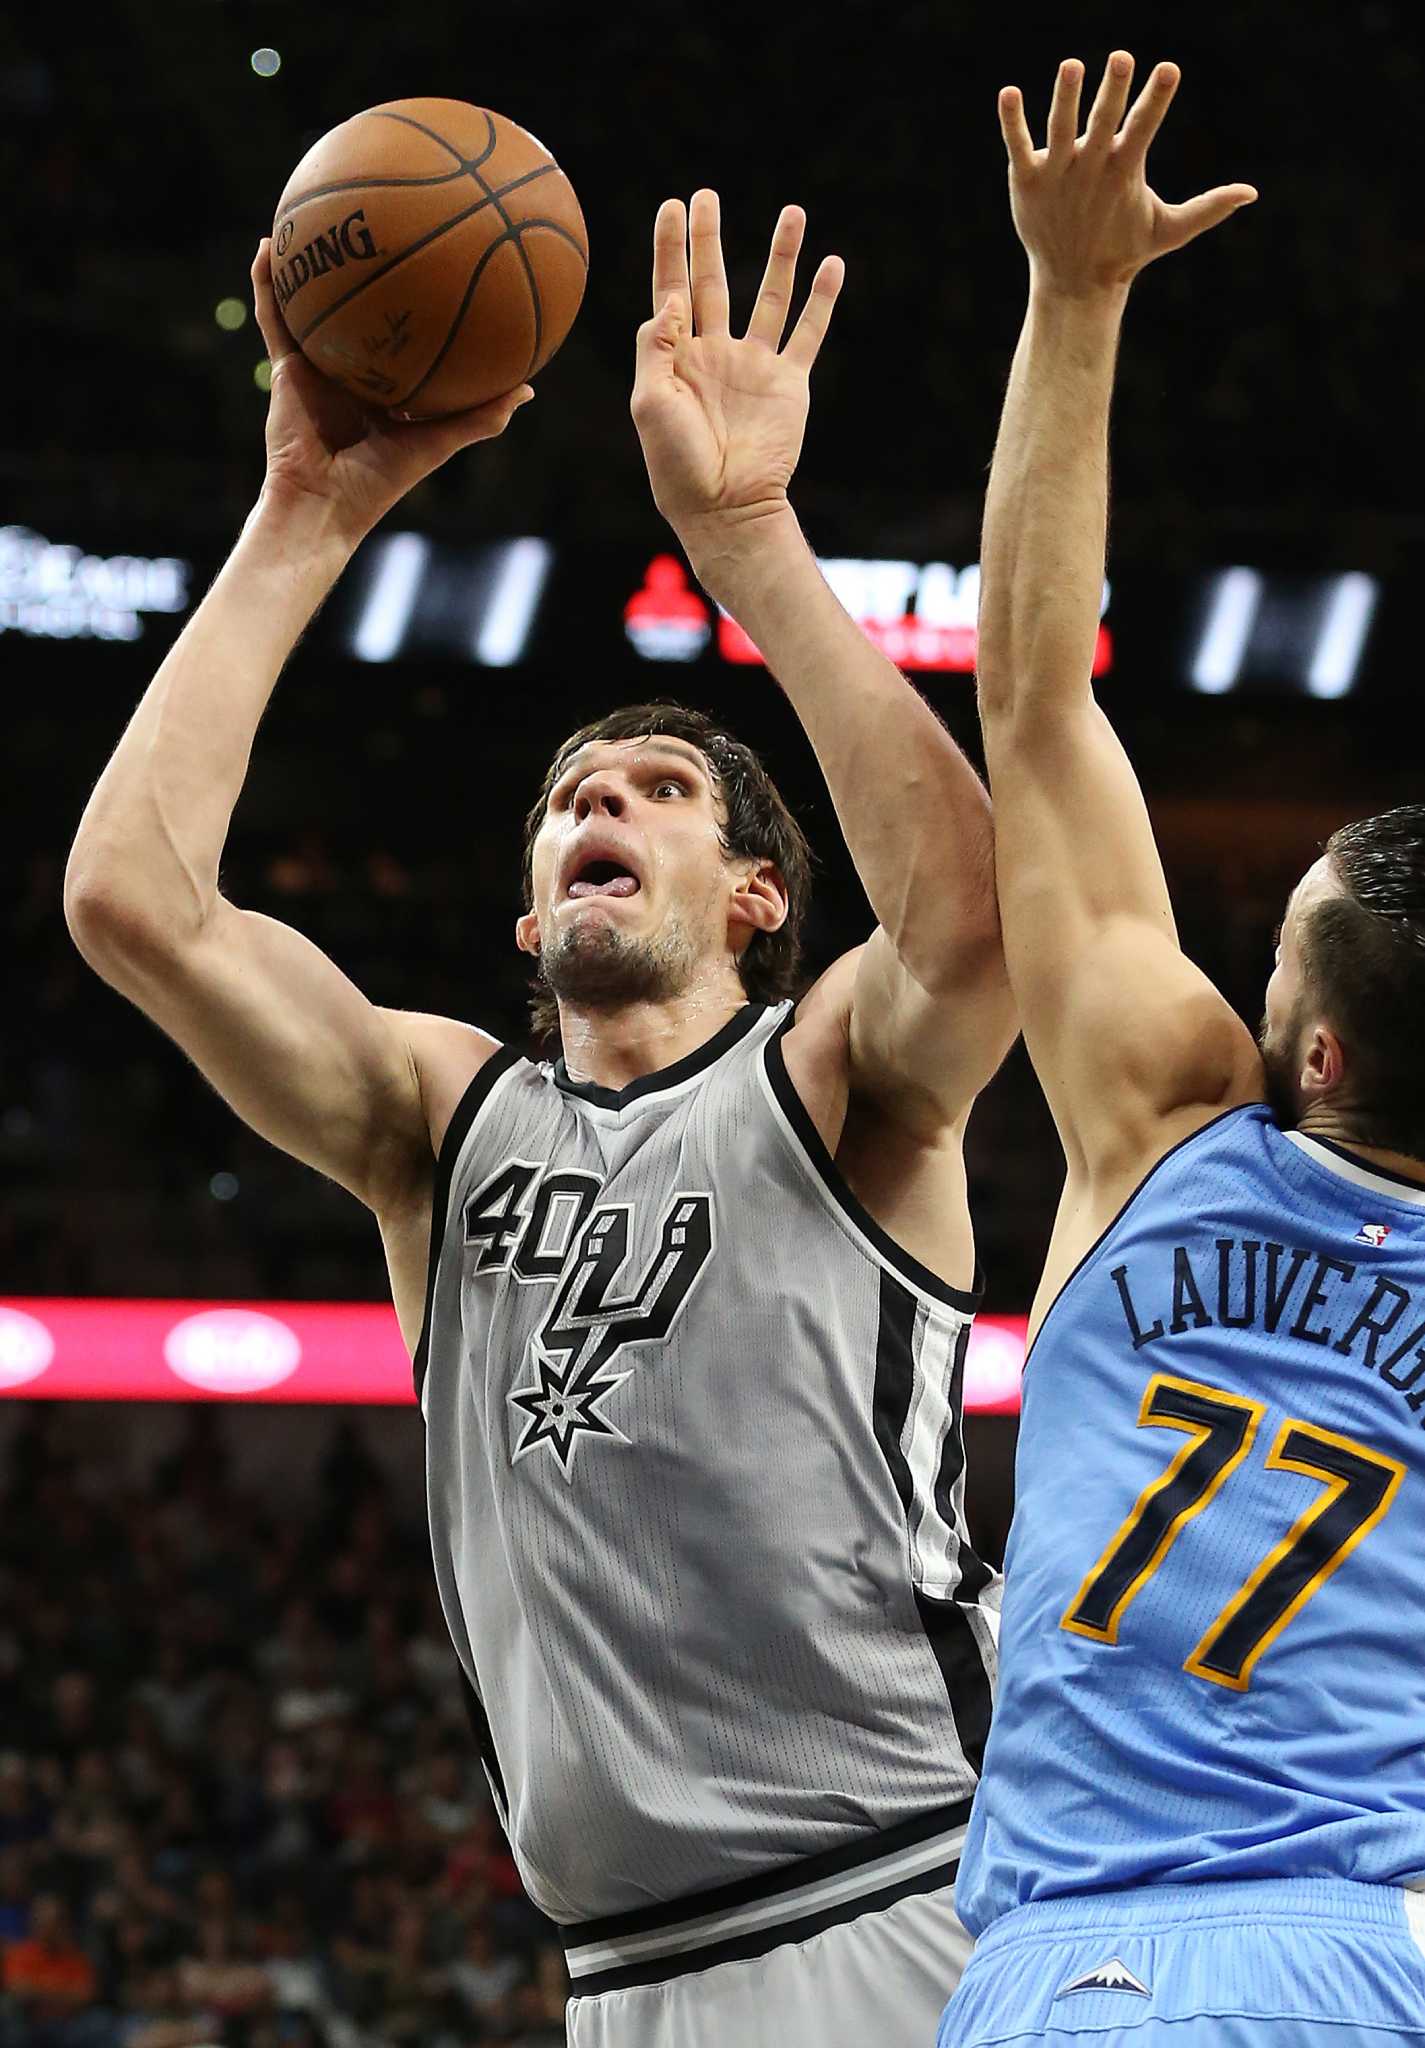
(689, 1305)
(1203, 1806)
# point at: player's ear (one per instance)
(527, 933)
(1323, 1064)
(759, 900)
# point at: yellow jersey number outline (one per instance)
(1221, 1429)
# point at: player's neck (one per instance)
(1333, 1127)
(613, 1047)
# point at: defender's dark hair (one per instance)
(756, 826)
(1364, 955)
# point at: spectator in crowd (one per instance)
(247, 1812)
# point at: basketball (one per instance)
(428, 255)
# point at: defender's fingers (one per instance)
(810, 331)
(1146, 117)
(276, 335)
(774, 299)
(1195, 216)
(1018, 141)
(1064, 110)
(670, 252)
(1109, 103)
(709, 279)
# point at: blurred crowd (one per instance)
(239, 1801)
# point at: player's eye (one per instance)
(669, 784)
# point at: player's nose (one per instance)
(599, 795)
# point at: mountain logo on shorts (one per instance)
(1109, 1976)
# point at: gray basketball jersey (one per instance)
(695, 1478)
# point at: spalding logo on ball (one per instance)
(429, 256)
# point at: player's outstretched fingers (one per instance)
(440, 439)
(670, 254)
(276, 335)
(1109, 103)
(709, 279)
(1195, 216)
(1064, 111)
(1147, 114)
(810, 331)
(774, 298)
(1018, 141)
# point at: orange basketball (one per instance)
(429, 255)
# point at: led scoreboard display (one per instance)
(921, 615)
(411, 598)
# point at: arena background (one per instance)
(234, 1787)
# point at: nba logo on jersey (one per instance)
(1374, 1234)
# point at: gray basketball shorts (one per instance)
(841, 1951)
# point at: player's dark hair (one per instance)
(756, 826)
(1364, 955)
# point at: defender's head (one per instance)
(1346, 1003)
(659, 858)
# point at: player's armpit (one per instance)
(1128, 1037)
(286, 1039)
(924, 1053)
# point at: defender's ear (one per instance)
(527, 933)
(1323, 1065)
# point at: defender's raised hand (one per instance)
(721, 420)
(1082, 205)
(323, 445)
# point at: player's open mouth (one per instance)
(604, 878)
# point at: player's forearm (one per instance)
(1046, 511)
(150, 842)
(915, 814)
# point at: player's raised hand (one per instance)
(1082, 204)
(324, 446)
(721, 419)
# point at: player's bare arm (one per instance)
(920, 1017)
(1133, 1046)
(284, 1036)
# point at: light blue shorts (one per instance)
(1280, 1963)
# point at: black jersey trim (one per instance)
(466, 1111)
(1401, 1180)
(737, 1027)
(1237, 1109)
(785, 1877)
(485, 1744)
(962, 1663)
(824, 1166)
(744, 1948)
(947, 1626)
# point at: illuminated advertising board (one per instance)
(412, 598)
(58, 1349)
(57, 590)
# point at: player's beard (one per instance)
(1281, 1064)
(595, 966)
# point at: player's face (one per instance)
(1288, 1022)
(633, 892)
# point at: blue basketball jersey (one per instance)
(1213, 1637)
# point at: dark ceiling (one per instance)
(1268, 391)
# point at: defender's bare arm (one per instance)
(1132, 1044)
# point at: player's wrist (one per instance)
(1081, 298)
(285, 519)
(730, 549)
